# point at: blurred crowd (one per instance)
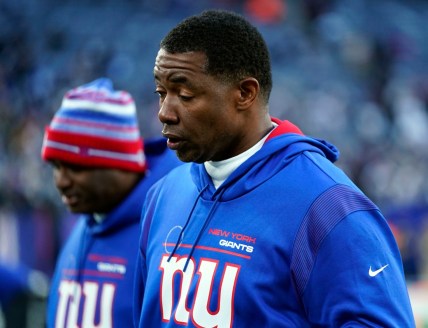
(354, 72)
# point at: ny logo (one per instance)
(73, 296)
(199, 311)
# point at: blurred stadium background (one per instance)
(354, 72)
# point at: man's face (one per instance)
(89, 190)
(197, 110)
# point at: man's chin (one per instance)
(188, 157)
(78, 210)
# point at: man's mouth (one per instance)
(69, 200)
(173, 141)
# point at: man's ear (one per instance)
(249, 90)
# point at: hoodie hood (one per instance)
(283, 144)
(126, 213)
(159, 161)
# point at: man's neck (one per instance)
(219, 171)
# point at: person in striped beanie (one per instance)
(102, 169)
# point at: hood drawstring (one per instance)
(180, 236)
(207, 221)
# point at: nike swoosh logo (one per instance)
(375, 273)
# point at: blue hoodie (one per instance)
(93, 280)
(286, 241)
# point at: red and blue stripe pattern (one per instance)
(96, 126)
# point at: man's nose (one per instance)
(168, 111)
(62, 178)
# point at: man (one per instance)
(102, 170)
(260, 229)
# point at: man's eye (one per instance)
(58, 165)
(161, 94)
(186, 98)
(78, 168)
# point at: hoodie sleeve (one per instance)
(141, 268)
(355, 275)
(139, 283)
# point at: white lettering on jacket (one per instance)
(70, 298)
(199, 311)
(232, 244)
(111, 267)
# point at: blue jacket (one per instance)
(93, 280)
(286, 241)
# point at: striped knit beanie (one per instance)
(96, 126)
